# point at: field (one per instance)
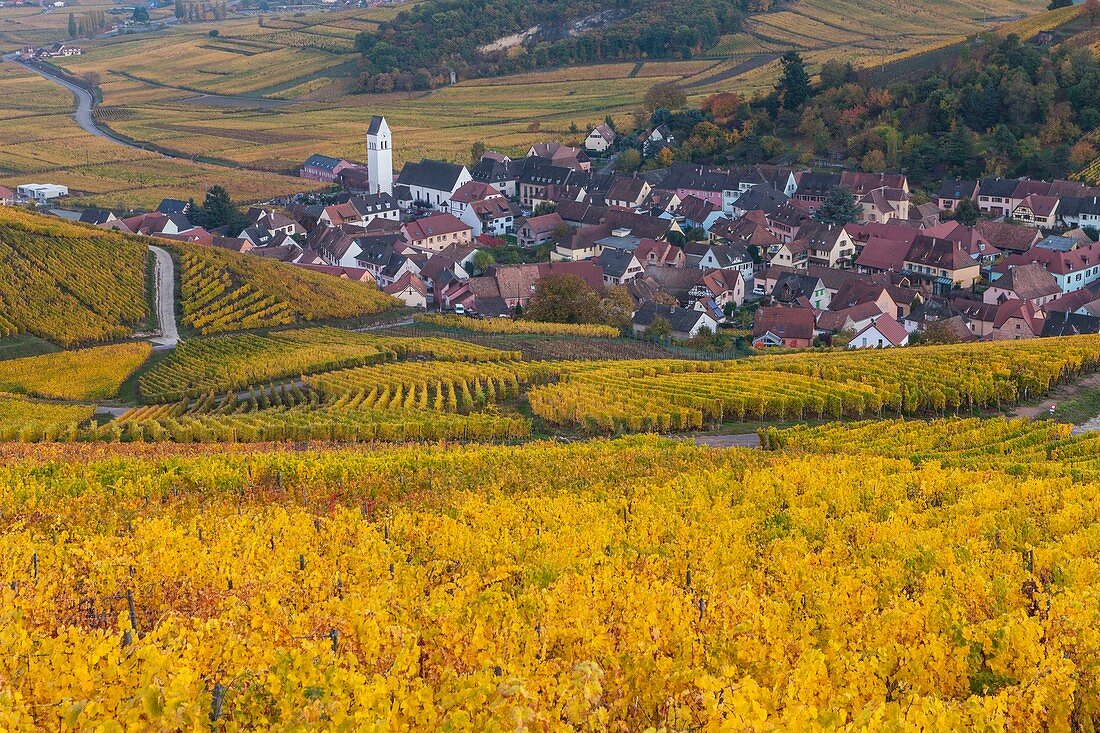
(226, 291)
(68, 283)
(835, 583)
(290, 82)
(85, 374)
(40, 143)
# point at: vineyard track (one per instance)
(166, 299)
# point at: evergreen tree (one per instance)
(72, 26)
(218, 211)
(958, 146)
(967, 212)
(794, 86)
(839, 208)
(141, 14)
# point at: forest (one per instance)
(1002, 107)
(421, 45)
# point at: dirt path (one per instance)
(1062, 393)
(743, 440)
(166, 299)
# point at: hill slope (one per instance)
(67, 283)
(226, 291)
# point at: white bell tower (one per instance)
(380, 156)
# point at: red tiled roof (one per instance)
(795, 323)
(434, 226)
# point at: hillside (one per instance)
(67, 283)
(227, 291)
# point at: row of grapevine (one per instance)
(68, 283)
(509, 326)
(84, 374)
(625, 585)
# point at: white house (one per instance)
(882, 333)
(41, 192)
(600, 139)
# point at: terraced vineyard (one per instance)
(225, 291)
(84, 374)
(67, 283)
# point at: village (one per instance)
(803, 258)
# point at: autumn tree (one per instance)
(665, 95)
(617, 307)
(564, 299)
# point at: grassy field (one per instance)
(40, 142)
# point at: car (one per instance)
(460, 310)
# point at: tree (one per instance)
(141, 14)
(629, 161)
(617, 307)
(958, 146)
(179, 11)
(564, 299)
(660, 328)
(839, 208)
(873, 162)
(607, 120)
(794, 85)
(665, 95)
(72, 26)
(664, 158)
(544, 208)
(967, 212)
(1055, 4)
(483, 260)
(938, 332)
(213, 33)
(477, 150)
(218, 211)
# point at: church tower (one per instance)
(380, 156)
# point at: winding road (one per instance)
(84, 105)
(166, 299)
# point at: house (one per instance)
(757, 198)
(1008, 237)
(657, 138)
(827, 245)
(637, 225)
(538, 230)
(7, 196)
(1031, 282)
(175, 206)
(940, 264)
(882, 333)
(731, 256)
(157, 224)
(358, 274)
(955, 191)
(1071, 270)
(97, 217)
(1017, 319)
(41, 192)
(971, 239)
(797, 288)
(782, 326)
(431, 183)
(688, 179)
(883, 255)
(884, 205)
(273, 221)
(686, 323)
(468, 193)
(785, 221)
(995, 196)
(361, 211)
(322, 168)
(1037, 210)
(561, 155)
(539, 176)
(652, 252)
(720, 286)
(493, 216)
(699, 213)
(813, 188)
(410, 290)
(499, 171)
(437, 232)
(62, 50)
(618, 266)
(794, 254)
(504, 288)
(1070, 324)
(600, 139)
(628, 193)
(1080, 212)
(355, 178)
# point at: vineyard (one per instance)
(325, 384)
(86, 374)
(684, 395)
(67, 284)
(833, 582)
(224, 363)
(226, 291)
(507, 325)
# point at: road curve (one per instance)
(84, 106)
(166, 299)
